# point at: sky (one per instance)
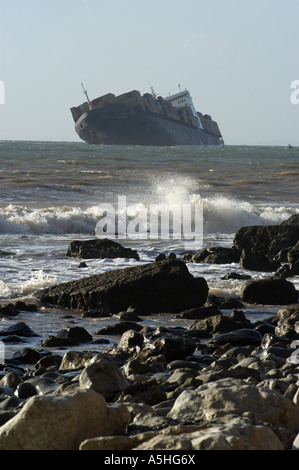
(237, 58)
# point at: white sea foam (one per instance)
(221, 214)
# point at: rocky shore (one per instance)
(223, 383)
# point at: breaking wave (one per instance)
(220, 214)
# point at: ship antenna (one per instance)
(85, 93)
(153, 93)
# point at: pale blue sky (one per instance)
(237, 58)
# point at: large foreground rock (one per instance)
(231, 397)
(62, 422)
(237, 434)
(165, 286)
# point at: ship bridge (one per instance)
(182, 99)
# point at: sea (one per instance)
(52, 193)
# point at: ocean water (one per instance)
(53, 192)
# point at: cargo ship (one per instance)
(135, 119)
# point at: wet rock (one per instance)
(288, 322)
(103, 376)
(49, 360)
(10, 403)
(128, 316)
(148, 392)
(27, 356)
(217, 255)
(13, 339)
(293, 259)
(43, 385)
(76, 360)
(71, 336)
(11, 379)
(24, 307)
(220, 323)
(257, 262)
(200, 256)
(119, 328)
(131, 340)
(292, 221)
(200, 312)
(26, 390)
(160, 257)
(272, 291)
(19, 329)
(242, 337)
(88, 249)
(9, 310)
(166, 286)
(236, 276)
(266, 240)
(171, 346)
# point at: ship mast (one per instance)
(85, 93)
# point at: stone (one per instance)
(26, 390)
(24, 307)
(9, 310)
(76, 360)
(11, 379)
(119, 443)
(165, 286)
(272, 291)
(103, 376)
(130, 341)
(288, 322)
(68, 337)
(238, 434)
(223, 255)
(266, 240)
(242, 337)
(293, 221)
(217, 324)
(27, 356)
(229, 396)
(257, 262)
(119, 328)
(293, 259)
(19, 329)
(88, 249)
(62, 422)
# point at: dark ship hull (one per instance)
(137, 120)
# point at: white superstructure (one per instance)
(182, 99)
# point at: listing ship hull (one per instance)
(118, 123)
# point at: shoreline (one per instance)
(219, 380)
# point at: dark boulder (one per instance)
(257, 262)
(219, 323)
(272, 291)
(68, 337)
(266, 240)
(88, 249)
(293, 259)
(165, 286)
(217, 255)
(9, 310)
(19, 329)
(292, 221)
(242, 337)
